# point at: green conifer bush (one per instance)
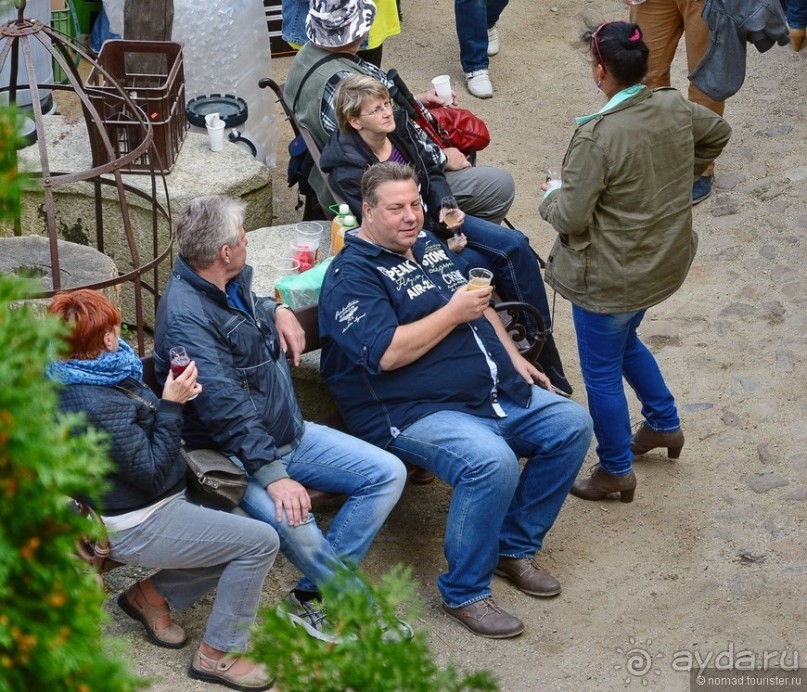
(370, 655)
(50, 603)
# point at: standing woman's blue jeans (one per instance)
(610, 349)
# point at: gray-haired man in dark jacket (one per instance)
(248, 408)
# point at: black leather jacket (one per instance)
(247, 407)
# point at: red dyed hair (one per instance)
(91, 315)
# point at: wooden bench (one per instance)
(515, 317)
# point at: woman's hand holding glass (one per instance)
(184, 387)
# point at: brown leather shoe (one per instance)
(646, 439)
(221, 672)
(601, 483)
(486, 619)
(528, 576)
(133, 602)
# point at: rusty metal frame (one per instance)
(17, 37)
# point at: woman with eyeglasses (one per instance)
(369, 131)
(623, 214)
(151, 522)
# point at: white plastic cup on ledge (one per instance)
(215, 131)
(442, 87)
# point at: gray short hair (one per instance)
(384, 172)
(205, 225)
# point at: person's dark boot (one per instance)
(646, 439)
(601, 484)
(549, 360)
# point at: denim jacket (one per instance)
(732, 25)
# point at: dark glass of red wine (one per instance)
(179, 360)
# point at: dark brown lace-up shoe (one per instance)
(486, 619)
(601, 483)
(646, 439)
(528, 576)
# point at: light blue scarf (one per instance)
(613, 102)
(106, 370)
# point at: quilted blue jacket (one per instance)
(143, 442)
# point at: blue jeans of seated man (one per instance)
(610, 349)
(497, 508)
(473, 18)
(196, 550)
(507, 253)
(330, 460)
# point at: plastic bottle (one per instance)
(341, 223)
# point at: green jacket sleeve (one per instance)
(711, 134)
(585, 173)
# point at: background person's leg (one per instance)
(483, 191)
(662, 25)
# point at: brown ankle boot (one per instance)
(602, 483)
(797, 38)
(646, 439)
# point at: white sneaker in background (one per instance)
(493, 41)
(479, 84)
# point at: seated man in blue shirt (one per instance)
(423, 367)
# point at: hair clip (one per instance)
(636, 36)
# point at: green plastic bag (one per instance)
(302, 290)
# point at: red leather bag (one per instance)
(458, 127)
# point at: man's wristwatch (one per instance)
(282, 305)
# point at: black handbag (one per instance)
(213, 478)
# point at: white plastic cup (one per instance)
(442, 86)
(215, 136)
(479, 278)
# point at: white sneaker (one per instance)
(493, 41)
(479, 84)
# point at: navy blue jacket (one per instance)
(247, 407)
(367, 294)
(143, 438)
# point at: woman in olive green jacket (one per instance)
(623, 213)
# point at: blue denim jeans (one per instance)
(473, 18)
(330, 460)
(796, 13)
(497, 508)
(609, 349)
(507, 253)
(196, 550)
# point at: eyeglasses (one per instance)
(387, 105)
(596, 41)
(595, 37)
